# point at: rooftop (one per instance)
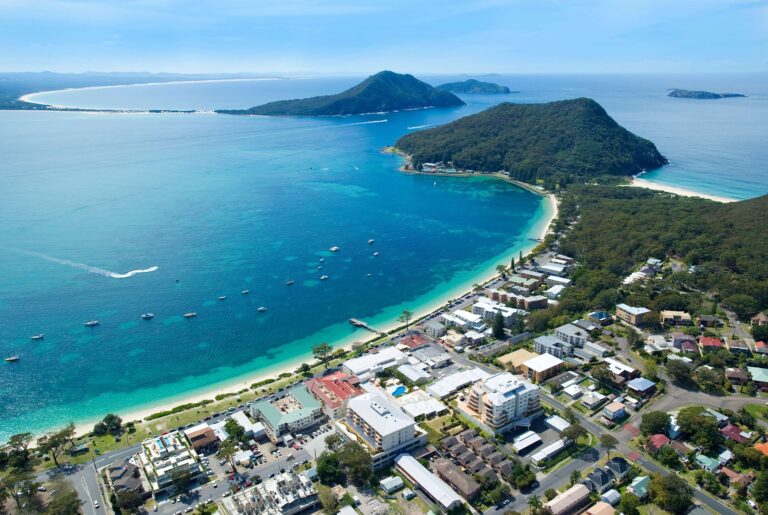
(430, 483)
(641, 384)
(632, 310)
(386, 357)
(379, 413)
(758, 374)
(543, 362)
(334, 389)
(517, 357)
(297, 404)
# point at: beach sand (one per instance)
(540, 231)
(643, 183)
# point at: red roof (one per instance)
(656, 442)
(710, 341)
(761, 345)
(689, 347)
(414, 341)
(734, 433)
(334, 389)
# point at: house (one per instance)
(554, 269)
(413, 341)
(201, 436)
(467, 435)
(736, 375)
(557, 423)
(760, 319)
(707, 463)
(738, 347)
(372, 363)
(542, 367)
(587, 325)
(737, 480)
(391, 484)
(614, 411)
(433, 487)
(708, 321)
(641, 386)
(618, 467)
(761, 347)
(569, 501)
(678, 338)
(681, 449)
(675, 318)
(720, 419)
(689, 347)
(514, 359)
(600, 317)
(554, 292)
(599, 481)
(734, 432)
(639, 486)
(759, 376)
(725, 457)
(612, 497)
(632, 315)
(461, 482)
(125, 477)
(435, 329)
(656, 442)
(762, 447)
(602, 507)
(710, 343)
(505, 468)
(593, 399)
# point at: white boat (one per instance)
(375, 254)
(223, 297)
(262, 309)
(91, 323)
(370, 242)
(191, 314)
(323, 277)
(245, 292)
(12, 358)
(322, 259)
(38, 336)
(334, 249)
(148, 316)
(289, 283)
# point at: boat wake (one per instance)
(87, 268)
(362, 123)
(421, 126)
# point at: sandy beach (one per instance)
(239, 383)
(643, 183)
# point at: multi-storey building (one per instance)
(164, 457)
(499, 402)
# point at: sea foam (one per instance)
(87, 268)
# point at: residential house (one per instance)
(599, 481)
(675, 318)
(601, 507)
(614, 411)
(656, 442)
(738, 347)
(125, 477)
(710, 344)
(737, 480)
(689, 347)
(391, 484)
(618, 467)
(642, 387)
(569, 501)
(413, 341)
(612, 497)
(593, 399)
(708, 321)
(633, 315)
(587, 325)
(678, 338)
(435, 329)
(759, 377)
(736, 375)
(639, 486)
(334, 391)
(720, 419)
(760, 319)
(761, 347)
(707, 463)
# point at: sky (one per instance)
(355, 36)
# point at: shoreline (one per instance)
(637, 182)
(538, 230)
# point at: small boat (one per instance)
(288, 283)
(223, 297)
(191, 314)
(91, 323)
(370, 275)
(322, 259)
(38, 336)
(334, 249)
(262, 309)
(375, 254)
(320, 267)
(370, 242)
(148, 316)
(323, 277)
(245, 292)
(12, 358)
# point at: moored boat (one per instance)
(12, 358)
(191, 314)
(323, 277)
(38, 336)
(245, 292)
(371, 241)
(289, 283)
(262, 309)
(334, 249)
(223, 297)
(148, 316)
(91, 323)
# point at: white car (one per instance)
(96, 504)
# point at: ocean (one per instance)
(108, 216)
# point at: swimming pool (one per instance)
(398, 390)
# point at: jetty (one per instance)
(359, 323)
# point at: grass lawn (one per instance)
(651, 509)
(757, 410)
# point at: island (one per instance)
(475, 87)
(701, 95)
(383, 92)
(564, 141)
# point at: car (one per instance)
(222, 462)
(752, 504)
(227, 494)
(189, 509)
(155, 508)
(41, 488)
(96, 505)
(271, 474)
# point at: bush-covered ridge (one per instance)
(475, 87)
(384, 92)
(566, 139)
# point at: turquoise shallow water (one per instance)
(223, 203)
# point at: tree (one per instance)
(629, 504)
(633, 338)
(235, 430)
(356, 462)
(20, 484)
(328, 499)
(534, 503)
(573, 432)
(760, 488)
(65, 501)
(322, 352)
(19, 446)
(669, 457)
(502, 270)
(111, 424)
(227, 451)
(498, 326)
(575, 477)
(129, 500)
(709, 380)
(655, 422)
(679, 372)
(569, 415)
(671, 493)
(550, 493)
(702, 428)
(329, 469)
(54, 443)
(741, 304)
(651, 369)
(405, 317)
(603, 374)
(181, 479)
(521, 261)
(608, 442)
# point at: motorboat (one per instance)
(223, 297)
(334, 249)
(245, 292)
(322, 259)
(12, 358)
(371, 241)
(323, 277)
(375, 254)
(38, 336)
(91, 323)
(289, 283)
(191, 314)
(148, 316)
(262, 309)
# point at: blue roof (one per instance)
(641, 384)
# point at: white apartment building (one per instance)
(370, 363)
(500, 401)
(164, 456)
(572, 334)
(285, 494)
(487, 308)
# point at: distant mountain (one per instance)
(386, 91)
(475, 87)
(701, 95)
(557, 141)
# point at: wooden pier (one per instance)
(359, 323)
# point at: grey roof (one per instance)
(641, 384)
(276, 418)
(378, 412)
(433, 485)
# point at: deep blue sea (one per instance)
(221, 203)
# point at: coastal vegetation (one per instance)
(384, 92)
(701, 95)
(475, 87)
(557, 143)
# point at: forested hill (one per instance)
(475, 87)
(384, 92)
(564, 140)
(620, 227)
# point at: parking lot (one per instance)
(546, 434)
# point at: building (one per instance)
(736, 375)
(621, 369)
(593, 399)
(572, 334)
(418, 404)
(599, 481)
(532, 274)
(618, 467)
(525, 441)
(371, 363)
(548, 344)
(433, 487)
(488, 308)
(201, 436)
(125, 477)
(383, 428)
(761, 347)
(759, 376)
(415, 375)
(614, 411)
(391, 484)
(554, 280)
(656, 442)
(554, 269)
(548, 452)
(285, 494)
(678, 339)
(738, 347)
(710, 343)
(334, 391)
(707, 463)
(632, 315)
(413, 341)
(708, 321)
(641, 386)
(570, 501)
(515, 359)
(452, 383)
(639, 486)
(162, 457)
(541, 368)
(602, 318)
(461, 482)
(294, 411)
(760, 319)
(603, 507)
(500, 401)
(557, 423)
(435, 329)
(675, 318)
(554, 292)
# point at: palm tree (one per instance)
(405, 317)
(534, 503)
(575, 476)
